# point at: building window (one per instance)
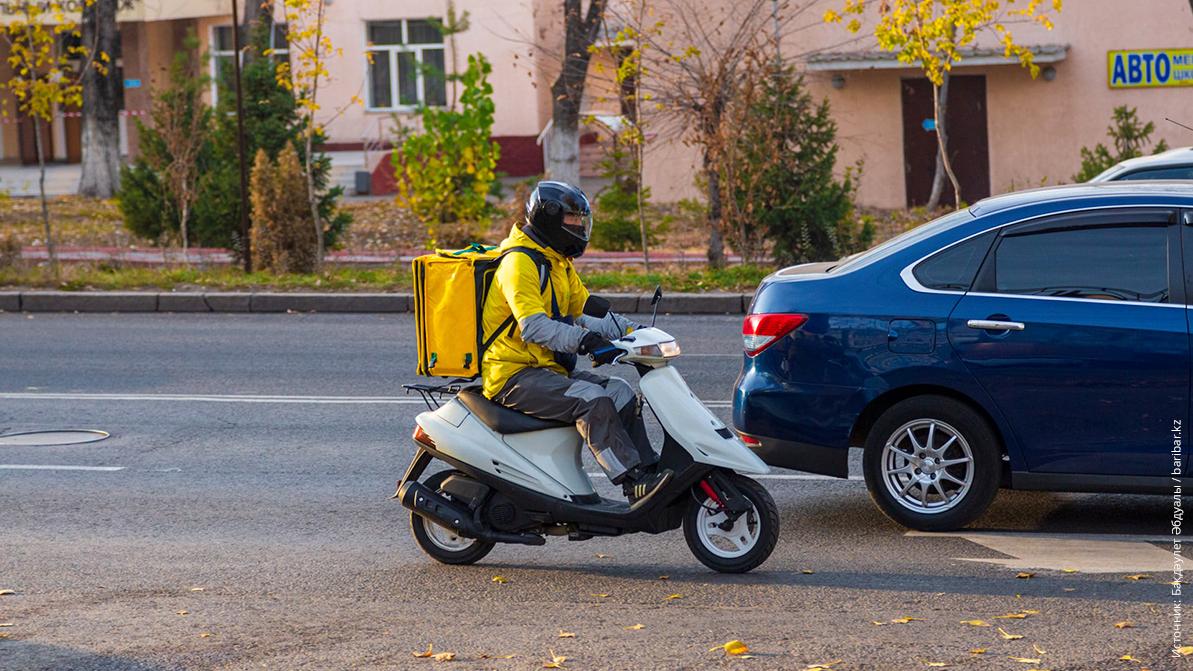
(405, 65)
(222, 51)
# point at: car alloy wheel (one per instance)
(927, 466)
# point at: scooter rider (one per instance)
(530, 367)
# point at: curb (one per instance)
(280, 302)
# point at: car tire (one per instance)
(932, 463)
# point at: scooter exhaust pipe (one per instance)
(445, 512)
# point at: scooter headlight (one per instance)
(665, 350)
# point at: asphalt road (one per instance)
(249, 528)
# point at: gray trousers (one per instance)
(604, 410)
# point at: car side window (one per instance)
(953, 268)
(1114, 263)
(1169, 172)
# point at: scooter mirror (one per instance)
(654, 303)
(596, 307)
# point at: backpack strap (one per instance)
(544, 266)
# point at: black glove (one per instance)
(599, 348)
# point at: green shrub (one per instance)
(616, 227)
(445, 170)
(1130, 137)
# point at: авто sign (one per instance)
(1149, 68)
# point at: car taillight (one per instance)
(761, 331)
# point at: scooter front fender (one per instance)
(694, 426)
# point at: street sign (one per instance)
(1149, 68)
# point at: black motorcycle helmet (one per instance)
(558, 216)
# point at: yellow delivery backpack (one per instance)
(450, 287)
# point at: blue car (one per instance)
(1037, 340)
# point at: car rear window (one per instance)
(1167, 172)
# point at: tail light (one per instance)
(421, 436)
(749, 440)
(761, 331)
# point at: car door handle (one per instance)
(994, 325)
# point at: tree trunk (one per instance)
(563, 144)
(939, 176)
(312, 194)
(939, 111)
(563, 147)
(185, 244)
(41, 189)
(716, 240)
(101, 124)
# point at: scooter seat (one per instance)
(502, 419)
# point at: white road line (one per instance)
(240, 398)
(57, 467)
(1087, 553)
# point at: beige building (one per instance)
(1008, 130)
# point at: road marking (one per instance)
(1087, 553)
(58, 467)
(778, 476)
(240, 398)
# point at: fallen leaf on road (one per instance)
(556, 661)
(976, 623)
(205, 634)
(635, 627)
(6, 592)
(672, 597)
(978, 651)
(1011, 616)
(3, 635)
(876, 623)
(824, 666)
(1125, 624)
(567, 634)
(936, 665)
(183, 612)
(196, 589)
(1025, 660)
(905, 619)
(601, 556)
(1030, 612)
(1139, 576)
(1069, 570)
(1024, 575)
(1008, 636)
(664, 577)
(735, 648)
(6, 624)
(430, 651)
(1128, 658)
(500, 580)
(602, 595)
(498, 656)
(443, 656)
(1185, 650)
(1038, 649)
(807, 571)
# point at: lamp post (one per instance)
(245, 243)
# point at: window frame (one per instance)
(991, 236)
(985, 281)
(390, 53)
(214, 54)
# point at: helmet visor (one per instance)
(578, 225)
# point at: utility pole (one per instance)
(245, 243)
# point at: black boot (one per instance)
(641, 486)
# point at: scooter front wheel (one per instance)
(441, 543)
(737, 547)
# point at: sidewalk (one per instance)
(264, 302)
(207, 256)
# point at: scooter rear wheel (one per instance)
(441, 543)
(746, 543)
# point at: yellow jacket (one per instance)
(515, 291)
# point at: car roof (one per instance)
(1166, 188)
(1178, 156)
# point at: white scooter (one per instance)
(518, 479)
